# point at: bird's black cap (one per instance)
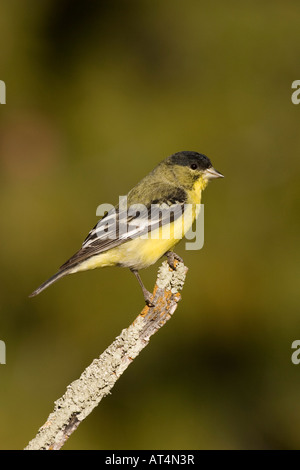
(187, 158)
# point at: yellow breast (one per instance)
(194, 196)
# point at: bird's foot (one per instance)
(147, 297)
(171, 257)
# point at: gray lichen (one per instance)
(170, 279)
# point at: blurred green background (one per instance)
(97, 94)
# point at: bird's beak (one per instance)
(211, 173)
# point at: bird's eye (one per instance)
(194, 166)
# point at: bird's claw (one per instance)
(171, 257)
(147, 297)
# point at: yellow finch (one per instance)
(133, 234)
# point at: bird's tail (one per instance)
(50, 281)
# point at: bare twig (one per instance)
(84, 394)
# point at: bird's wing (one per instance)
(119, 226)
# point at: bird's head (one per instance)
(190, 167)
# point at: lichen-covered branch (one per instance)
(84, 394)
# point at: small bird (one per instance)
(167, 198)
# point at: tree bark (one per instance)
(97, 380)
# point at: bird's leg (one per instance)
(171, 256)
(147, 294)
